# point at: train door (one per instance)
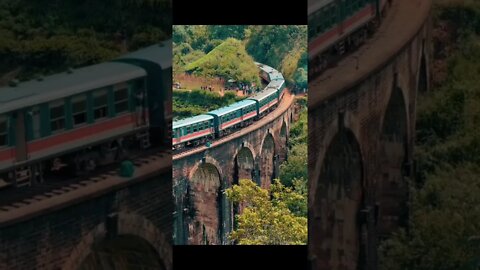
(20, 137)
(140, 103)
(178, 134)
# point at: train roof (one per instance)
(265, 68)
(232, 107)
(264, 93)
(160, 53)
(276, 76)
(191, 120)
(66, 84)
(276, 83)
(314, 5)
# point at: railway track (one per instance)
(18, 202)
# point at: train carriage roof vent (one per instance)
(13, 83)
(70, 70)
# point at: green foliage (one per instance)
(445, 214)
(301, 78)
(229, 61)
(49, 36)
(299, 129)
(271, 217)
(282, 47)
(189, 103)
(295, 167)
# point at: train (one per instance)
(86, 117)
(338, 26)
(200, 129)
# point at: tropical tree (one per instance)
(269, 217)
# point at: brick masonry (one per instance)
(203, 215)
(360, 157)
(63, 238)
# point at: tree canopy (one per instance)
(272, 217)
(49, 36)
(229, 60)
(444, 225)
(282, 47)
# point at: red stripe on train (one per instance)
(335, 31)
(199, 133)
(81, 133)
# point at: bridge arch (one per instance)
(244, 163)
(133, 240)
(392, 187)
(338, 198)
(423, 81)
(205, 186)
(283, 130)
(266, 162)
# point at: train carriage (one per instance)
(193, 130)
(227, 119)
(275, 75)
(64, 114)
(265, 71)
(280, 86)
(335, 26)
(235, 115)
(266, 100)
(156, 60)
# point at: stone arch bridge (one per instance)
(361, 139)
(105, 222)
(203, 214)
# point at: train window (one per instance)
(57, 116)
(100, 109)
(121, 100)
(3, 131)
(79, 110)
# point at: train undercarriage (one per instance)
(78, 163)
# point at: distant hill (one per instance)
(283, 47)
(229, 60)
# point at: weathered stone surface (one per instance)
(203, 214)
(361, 138)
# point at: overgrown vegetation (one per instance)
(295, 168)
(271, 217)
(445, 210)
(44, 37)
(229, 60)
(282, 47)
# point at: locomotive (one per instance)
(199, 129)
(338, 26)
(85, 117)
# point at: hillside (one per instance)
(282, 47)
(228, 60)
